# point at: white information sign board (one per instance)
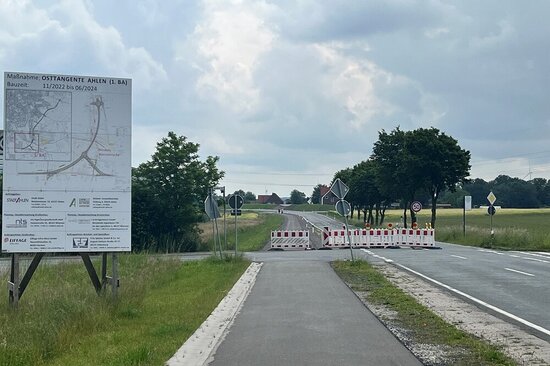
(67, 163)
(468, 203)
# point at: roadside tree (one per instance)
(168, 193)
(297, 197)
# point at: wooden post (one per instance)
(13, 283)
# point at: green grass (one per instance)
(61, 320)
(423, 325)
(254, 231)
(515, 229)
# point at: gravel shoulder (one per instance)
(523, 347)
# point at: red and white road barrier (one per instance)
(378, 238)
(290, 239)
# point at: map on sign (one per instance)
(72, 137)
(40, 125)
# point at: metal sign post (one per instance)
(491, 210)
(211, 209)
(466, 207)
(344, 208)
(236, 201)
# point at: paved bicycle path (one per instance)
(301, 313)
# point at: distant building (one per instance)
(327, 197)
(272, 199)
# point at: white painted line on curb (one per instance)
(523, 273)
(197, 350)
(480, 302)
(458, 256)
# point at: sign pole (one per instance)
(349, 238)
(224, 222)
(236, 241)
(464, 217)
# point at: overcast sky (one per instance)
(288, 92)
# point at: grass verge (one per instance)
(61, 320)
(421, 325)
(254, 231)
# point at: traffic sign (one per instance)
(491, 210)
(239, 212)
(416, 206)
(235, 201)
(339, 189)
(491, 198)
(211, 207)
(467, 203)
(343, 207)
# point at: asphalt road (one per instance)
(513, 282)
(300, 313)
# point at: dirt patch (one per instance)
(525, 348)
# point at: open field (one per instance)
(61, 320)
(254, 231)
(517, 229)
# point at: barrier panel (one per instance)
(378, 238)
(290, 239)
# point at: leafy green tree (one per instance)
(397, 169)
(542, 186)
(479, 190)
(441, 160)
(168, 195)
(249, 197)
(316, 195)
(297, 197)
(420, 160)
(514, 192)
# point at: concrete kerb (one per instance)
(200, 347)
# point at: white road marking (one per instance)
(458, 256)
(537, 254)
(489, 251)
(480, 302)
(523, 273)
(535, 260)
(387, 260)
(514, 256)
(206, 339)
(532, 259)
(546, 254)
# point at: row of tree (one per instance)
(404, 166)
(510, 192)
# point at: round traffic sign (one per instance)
(236, 201)
(343, 207)
(416, 206)
(491, 210)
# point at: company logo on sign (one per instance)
(15, 240)
(17, 200)
(80, 242)
(19, 224)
